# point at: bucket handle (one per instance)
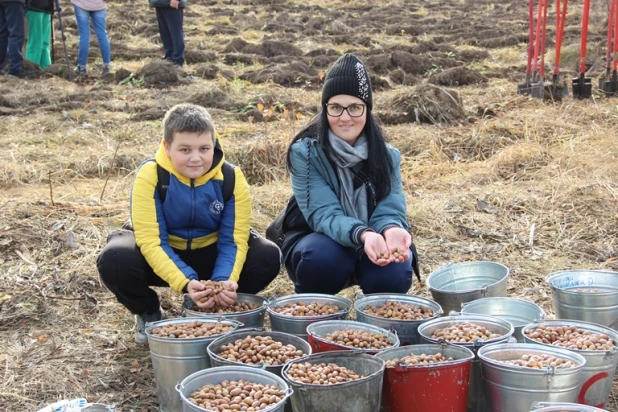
(288, 392)
(613, 324)
(549, 374)
(179, 388)
(484, 290)
(251, 329)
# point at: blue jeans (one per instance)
(12, 35)
(172, 35)
(83, 26)
(318, 264)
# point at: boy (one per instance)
(188, 231)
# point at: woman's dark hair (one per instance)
(378, 159)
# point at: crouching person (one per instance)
(190, 215)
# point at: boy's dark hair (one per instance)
(187, 118)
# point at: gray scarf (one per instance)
(354, 203)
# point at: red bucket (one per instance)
(430, 387)
(317, 331)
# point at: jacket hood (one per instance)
(166, 163)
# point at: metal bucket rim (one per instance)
(336, 353)
(276, 302)
(466, 263)
(556, 275)
(541, 406)
(398, 297)
(152, 325)
(262, 307)
(469, 355)
(468, 317)
(243, 369)
(478, 302)
(561, 352)
(247, 332)
(390, 335)
(588, 326)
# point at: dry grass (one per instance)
(547, 169)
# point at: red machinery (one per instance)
(582, 85)
(535, 83)
(609, 83)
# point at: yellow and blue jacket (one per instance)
(194, 215)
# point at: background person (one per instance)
(170, 15)
(95, 10)
(12, 37)
(38, 14)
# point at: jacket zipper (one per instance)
(192, 214)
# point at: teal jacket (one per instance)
(316, 188)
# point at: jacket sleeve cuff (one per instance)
(356, 233)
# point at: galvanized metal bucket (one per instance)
(477, 399)
(587, 295)
(297, 325)
(444, 385)
(407, 330)
(598, 373)
(318, 330)
(515, 388)
(362, 395)
(215, 347)
(217, 375)
(517, 312)
(563, 407)
(253, 318)
(175, 359)
(458, 283)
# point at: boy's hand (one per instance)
(375, 248)
(398, 241)
(228, 296)
(198, 291)
(174, 3)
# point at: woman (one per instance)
(347, 183)
(39, 14)
(95, 10)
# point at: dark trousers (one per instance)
(172, 35)
(127, 275)
(12, 35)
(318, 264)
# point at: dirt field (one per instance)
(489, 175)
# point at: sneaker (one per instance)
(106, 71)
(142, 320)
(22, 73)
(177, 67)
(81, 71)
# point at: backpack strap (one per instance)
(163, 182)
(229, 181)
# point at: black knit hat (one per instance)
(348, 75)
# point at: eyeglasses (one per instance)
(336, 110)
